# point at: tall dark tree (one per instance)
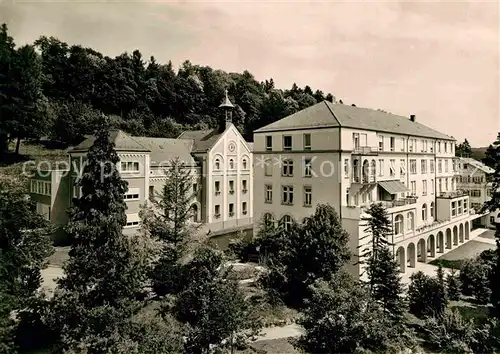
(106, 271)
(7, 55)
(441, 296)
(464, 149)
(453, 285)
(24, 247)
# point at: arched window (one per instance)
(268, 219)
(287, 222)
(398, 224)
(244, 164)
(366, 167)
(432, 209)
(217, 164)
(373, 171)
(410, 221)
(231, 164)
(355, 170)
(424, 212)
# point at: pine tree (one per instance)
(494, 205)
(453, 285)
(106, 270)
(441, 296)
(382, 269)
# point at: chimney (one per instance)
(412, 117)
(227, 106)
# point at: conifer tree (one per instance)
(106, 270)
(494, 205)
(441, 296)
(453, 285)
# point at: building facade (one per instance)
(476, 178)
(219, 160)
(350, 157)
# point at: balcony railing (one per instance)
(453, 194)
(365, 150)
(398, 202)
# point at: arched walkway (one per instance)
(401, 259)
(412, 255)
(461, 233)
(448, 239)
(455, 235)
(421, 251)
(467, 230)
(440, 242)
(431, 246)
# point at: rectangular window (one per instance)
(413, 187)
(268, 193)
(424, 187)
(364, 140)
(402, 167)
(287, 195)
(307, 141)
(446, 163)
(431, 146)
(269, 143)
(439, 146)
(287, 169)
(307, 196)
(459, 207)
(132, 195)
(431, 163)
(432, 186)
(446, 184)
(440, 166)
(132, 223)
(268, 167)
(244, 208)
(380, 167)
(402, 144)
(307, 167)
(217, 211)
(346, 168)
(413, 166)
(287, 142)
(392, 167)
(43, 210)
(129, 166)
(231, 187)
(217, 187)
(231, 209)
(380, 143)
(355, 140)
(393, 143)
(151, 193)
(445, 147)
(423, 166)
(410, 145)
(453, 208)
(41, 187)
(465, 206)
(244, 186)
(195, 187)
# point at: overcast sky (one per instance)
(437, 60)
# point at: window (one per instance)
(422, 147)
(453, 208)
(269, 143)
(446, 163)
(244, 163)
(307, 196)
(217, 211)
(398, 225)
(231, 164)
(268, 193)
(459, 207)
(446, 184)
(195, 187)
(244, 186)
(268, 167)
(445, 147)
(432, 209)
(217, 164)
(380, 143)
(380, 167)
(424, 187)
(488, 192)
(307, 167)
(423, 166)
(431, 147)
(132, 195)
(440, 185)
(129, 166)
(392, 167)
(439, 146)
(346, 168)
(402, 144)
(244, 208)
(364, 140)
(355, 140)
(440, 166)
(432, 186)
(475, 193)
(217, 187)
(307, 141)
(431, 163)
(410, 221)
(132, 223)
(287, 142)
(287, 222)
(287, 169)
(373, 171)
(268, 219)
(402, 167)
(413, 166)
(465, 206)
(231, 209)
(43, 210)
(347, 201)
(413, 187)
(287, 195)
(231, 187)
(424, 212)
(393, 143)
(41, 187)
(151, 193)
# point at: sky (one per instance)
(437, 60)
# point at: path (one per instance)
(292, 330)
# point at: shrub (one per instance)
(475, 278)
(424, 295)
(449, 332)
(453, 285)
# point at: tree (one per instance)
(453, 285)
(494, 204)
(315, 249)
(7, 54)
(464, 149)
(441, 296)
(424, 295)
(382, 270)
(168, 221)
(212, 304)
(106, 271)
(24, 246)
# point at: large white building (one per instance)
(350, 157)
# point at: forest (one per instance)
(57, 90)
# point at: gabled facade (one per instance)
(350, 157)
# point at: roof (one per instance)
(250, 146)
(122, 141)
(477, 164)
(203, 140)
(163, 150)
(393, 187)
(326, 114)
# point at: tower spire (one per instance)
(227, 106)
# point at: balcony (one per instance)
(398, 202)
(365, 150)
(453, 194)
